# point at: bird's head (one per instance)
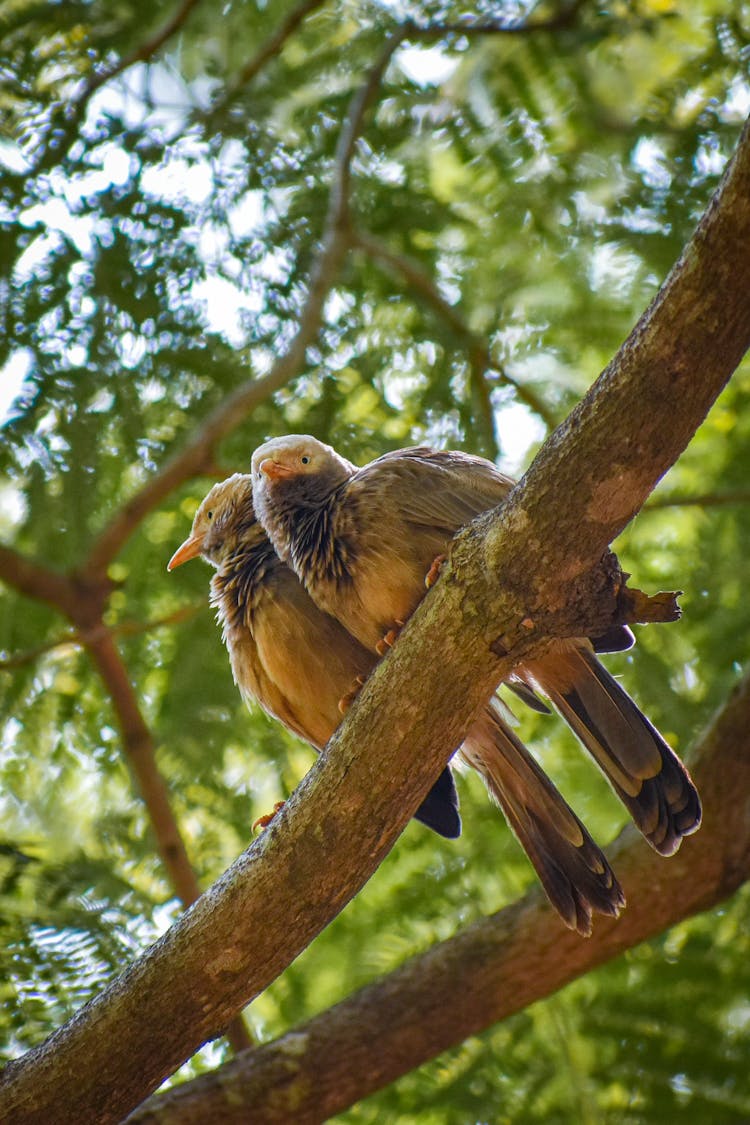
(291, 475)
(296, 456)
(224, 519)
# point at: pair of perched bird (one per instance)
(317, 561)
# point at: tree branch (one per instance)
(140, 752)
(585, 484)
(68, 116)
(121, 629)
(485, 973)
(143, 53)
(83, 603)
(700, 500)
(480, 356)
(270, 49)
(564, 18)
(35, 581)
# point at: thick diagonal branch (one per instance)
(485, 973)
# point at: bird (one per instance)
(362, 539)
(298, 662)
(294, 660)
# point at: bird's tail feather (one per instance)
(572, 868)
(642, 768)
(439, 810)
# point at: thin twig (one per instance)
(38, 582)
(83, 602)
(480, 356)
(145, 51)
(84, 605)
(477, 351)
(268, 50)
(275, 42)
(704, 500)
(73, 112)
(140, 751)
(78, 639)
(561, 20)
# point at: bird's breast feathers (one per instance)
(320, 551)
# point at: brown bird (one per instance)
(361, 540)
(298, 662)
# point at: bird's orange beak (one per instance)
(275, 469)
(190, 549)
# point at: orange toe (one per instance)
(346, 700)
(389, 640)
(264, 821)
(434, 572)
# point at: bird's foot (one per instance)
(434, 572)
(264, 821)
(346, 700)
(389, 640)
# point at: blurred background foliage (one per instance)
(514, 197)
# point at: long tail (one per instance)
(572, 868)
(642, 768)
(439, 810)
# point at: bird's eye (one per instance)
(305, 459)
(210, 515)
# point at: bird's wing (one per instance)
(309, 661)
(429, 488)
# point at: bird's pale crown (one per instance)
(295, 455)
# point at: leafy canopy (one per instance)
(515, 200)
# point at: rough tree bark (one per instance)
(599, 466)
